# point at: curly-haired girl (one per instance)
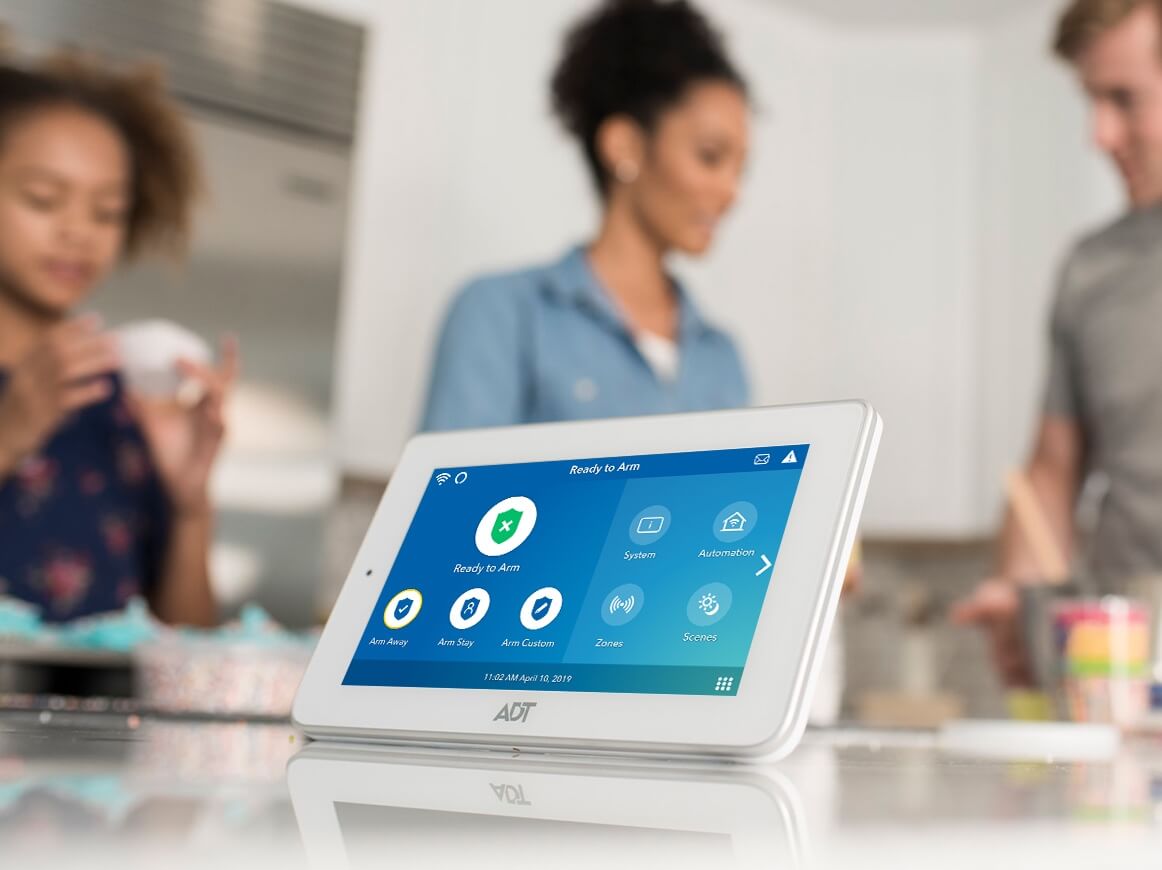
(102, 496)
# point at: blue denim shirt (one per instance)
(548, 343)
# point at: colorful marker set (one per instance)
(1104, 645)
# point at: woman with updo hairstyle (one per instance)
(661, 117)
(103, 495)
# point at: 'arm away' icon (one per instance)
(402, 607)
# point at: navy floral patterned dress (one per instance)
(84, 523)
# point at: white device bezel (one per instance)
(767, 715)
(756, 807)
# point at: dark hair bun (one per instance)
(634, 57)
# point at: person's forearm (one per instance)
(1056, 491)
(9, 456)
(183, 594)
(8, 461)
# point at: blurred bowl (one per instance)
(150, 351)
(190, 674)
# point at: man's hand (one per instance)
(995, 606)
(65, 372)
(1054, 474)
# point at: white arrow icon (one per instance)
(790, 458)
(766, 564)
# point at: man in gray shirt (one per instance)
(1103, 404)
(1105, 384)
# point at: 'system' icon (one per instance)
(650, 525)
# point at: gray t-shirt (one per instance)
(1106, 373)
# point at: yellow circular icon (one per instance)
(403, 608)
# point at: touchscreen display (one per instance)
(642, 574)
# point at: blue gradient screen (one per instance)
(639, 574)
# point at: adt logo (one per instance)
(517, 711)
(510, 794)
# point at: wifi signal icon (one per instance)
(623, 604)
(443, 477)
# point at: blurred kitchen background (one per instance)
(919, 168)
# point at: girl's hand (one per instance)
(66, 372)
(184, 439)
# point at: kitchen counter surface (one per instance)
(116, 790)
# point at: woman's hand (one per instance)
(184, 439)
(63, 373)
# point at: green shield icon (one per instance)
(506, 525)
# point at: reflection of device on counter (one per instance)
(150, 351)
(349, 801)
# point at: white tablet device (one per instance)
(655, 584)
(366, 807)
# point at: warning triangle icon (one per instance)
(790, 458)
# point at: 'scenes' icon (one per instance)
(709, 604)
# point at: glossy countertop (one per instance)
(115, 790)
